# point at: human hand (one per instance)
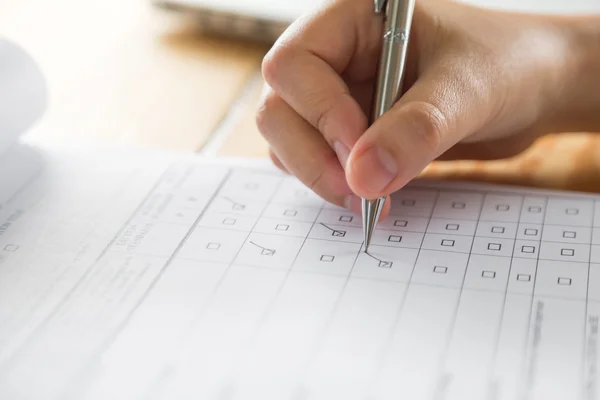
(481, 84)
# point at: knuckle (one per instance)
(273, 63)
(267, 107)
(430, 124)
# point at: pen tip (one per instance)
(371, 211)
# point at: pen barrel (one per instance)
(392, 62)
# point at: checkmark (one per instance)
(267, 252)
(338, 233)
(385, 264)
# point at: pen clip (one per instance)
(380, 6)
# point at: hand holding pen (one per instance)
(479, 84)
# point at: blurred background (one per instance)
(185, 75)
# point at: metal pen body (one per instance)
(392, 63)
(388, 86)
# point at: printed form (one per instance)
(131, 276)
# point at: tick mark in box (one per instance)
(498, 229)
(448, 242)
(502, 207)
(267, 252)
(213, 246)
(531, 232)
(452, 227)
(327, 258)
(524, 277)
(438, 269)
(494, 246)
(569, 234)
(458, 205)
(11, 247)
(528, 249)
(535, 209)
(408, 203)
(282, 227)
(229, 221)
(346, 218)
(401, 223)
(572, 211)
(564, 281)
(337, 233)
(488, 274)
(567, 252)
(290, 213)
(385, 264)
(395, 238)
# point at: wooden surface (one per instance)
(123, 73)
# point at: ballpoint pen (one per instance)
(398, 16)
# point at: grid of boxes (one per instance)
(497, 241)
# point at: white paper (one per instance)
(22, 93)
(133, 276)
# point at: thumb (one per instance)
(435, 114)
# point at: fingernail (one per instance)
(375, 169)
(342, 152)
(353, 203)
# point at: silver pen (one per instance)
(398, 15)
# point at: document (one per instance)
(151, 276)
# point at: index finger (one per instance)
(306, 65)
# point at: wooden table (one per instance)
(123, 73)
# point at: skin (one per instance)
(480, 84)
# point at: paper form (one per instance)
(132, 276)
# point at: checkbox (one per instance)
(567, 252)
(338, 233)
(346, 218)
(229, 221)
(452, 227)
(524, 277)
(385, 264)
(282, 227)
(11, 247)
(502, 207)
(408, 203)
(267, 252)
(448, 242)
(488, 274)
(459, 206)
(290, 213)
(535, 209)
(531, 232)
(213, 246)
(528, 249)
(572, 211)
(395, 238)
(401, 223)
(564, 281)
(497, 229)
(569, 234)
(440, 269)
(238, 207)
(326, 258)
(494, 246)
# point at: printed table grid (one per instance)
(282, 226)
(338, 233)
